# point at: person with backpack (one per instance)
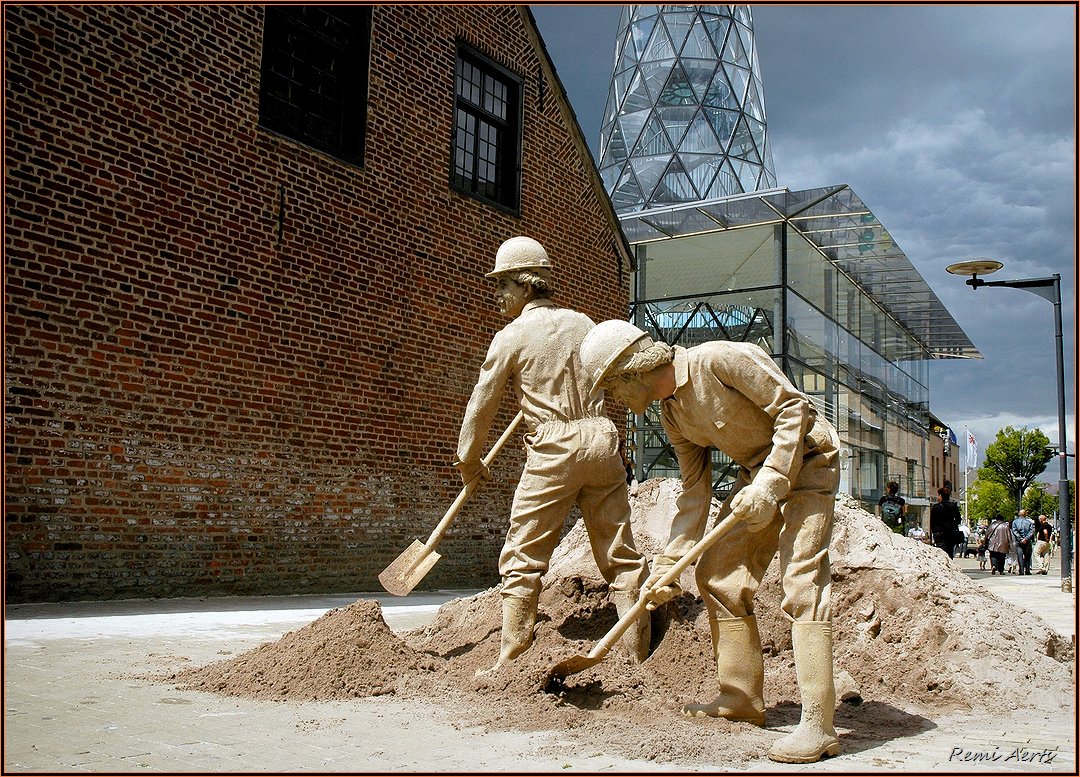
(892, 508)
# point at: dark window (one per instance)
(486, 153)
(314, 76)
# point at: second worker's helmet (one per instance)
(520, 253)
(605, 344)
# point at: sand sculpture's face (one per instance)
(631, 391)
(511, 297)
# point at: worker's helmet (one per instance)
(605, 344)
(520, 253)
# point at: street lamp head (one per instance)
(974, 267)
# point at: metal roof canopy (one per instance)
(846, 233)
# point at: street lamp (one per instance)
(1049, 289)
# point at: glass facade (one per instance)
(773, 283)
(685, 113)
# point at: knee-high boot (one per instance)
(519, 619)
(637, 637)
(815, 735)
(740, 670)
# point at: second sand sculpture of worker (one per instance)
(732, 397)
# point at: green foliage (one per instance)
(1016, 453)
(986, 498)
(1038, 502)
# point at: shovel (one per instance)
(408, 569)
(575, 664)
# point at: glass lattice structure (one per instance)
(815, 279)
(685, 114)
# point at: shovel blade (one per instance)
(408, 569)
(573, 665)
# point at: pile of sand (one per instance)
(913, 635)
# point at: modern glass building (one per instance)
(815, 279)
(685, 113)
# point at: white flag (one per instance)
(972, 450)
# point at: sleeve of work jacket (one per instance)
(751, 372)
(484, 402)
(692, 506)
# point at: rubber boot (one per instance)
(815, 736)
(740, 670)
(519, 619)
(636, 639)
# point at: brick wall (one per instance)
(198, 404)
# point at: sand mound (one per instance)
(348, 652)
(912, 635)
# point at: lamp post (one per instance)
(1049, 289)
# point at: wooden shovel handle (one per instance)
(468, 489)
(608, 641)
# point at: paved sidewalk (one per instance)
(73, 702)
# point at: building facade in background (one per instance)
(816, 280)
(244, 292)
(685, 114)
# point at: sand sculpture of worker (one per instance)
(572, 448)
(732, 396)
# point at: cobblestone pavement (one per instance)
(74, 703)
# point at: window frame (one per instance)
(508, 163)
(350, 121)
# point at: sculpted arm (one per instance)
(755, 375)
(691, 514)
(483, 405)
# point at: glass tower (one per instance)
(685, 114)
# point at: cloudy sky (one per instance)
(955, 125)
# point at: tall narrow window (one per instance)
(486, 153)
(315, 76)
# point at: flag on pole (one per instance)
(972, 450)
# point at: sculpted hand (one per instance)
(658, 596)
(470, 470)
(757, 502)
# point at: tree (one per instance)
(987, 498)
(1038, 502)
(1015, 458)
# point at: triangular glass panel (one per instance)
(659, 47)
(742, 15)
(615, 145)
(655, 76)
(608, 175)
(653, 140)
(724, 184)
(637, 95)
(628, 60)
(675, 186)
(701, 138)
(747, 175)
(699, 43)
(700, 74)
(754, 104)
(740, 77)
(677, 90)
(630, 126)
(627, 194)
(678, 25)
(717, 27)
(719, 93)
(723, 123)
(734, 52)
(621, 82)
(741, 140)
(700, 169)
(641, 31)
(648, 171)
